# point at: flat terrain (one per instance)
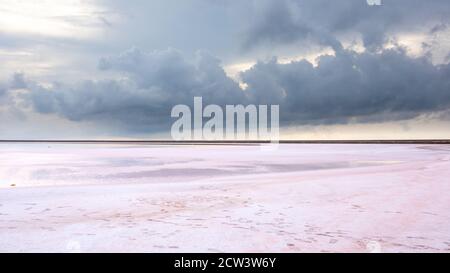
(224, 198)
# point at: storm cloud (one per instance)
(185, 49)
(363, 87)
(288, 21)
(142, 100)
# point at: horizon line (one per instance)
(187, 142)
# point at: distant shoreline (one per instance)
(231, 142)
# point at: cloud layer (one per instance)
(141, 101)
(134, 91)
(349, 86)
(288, 21)
(388, 85)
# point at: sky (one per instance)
(110, 69)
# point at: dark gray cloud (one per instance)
(365, 87)
(172, 77)
(154, 83)
(18, 81)
(115, 103)
(368, 86)
(289, 21)
(11, 106)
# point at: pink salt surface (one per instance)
(290, 198)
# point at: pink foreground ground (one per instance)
(290, 198)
